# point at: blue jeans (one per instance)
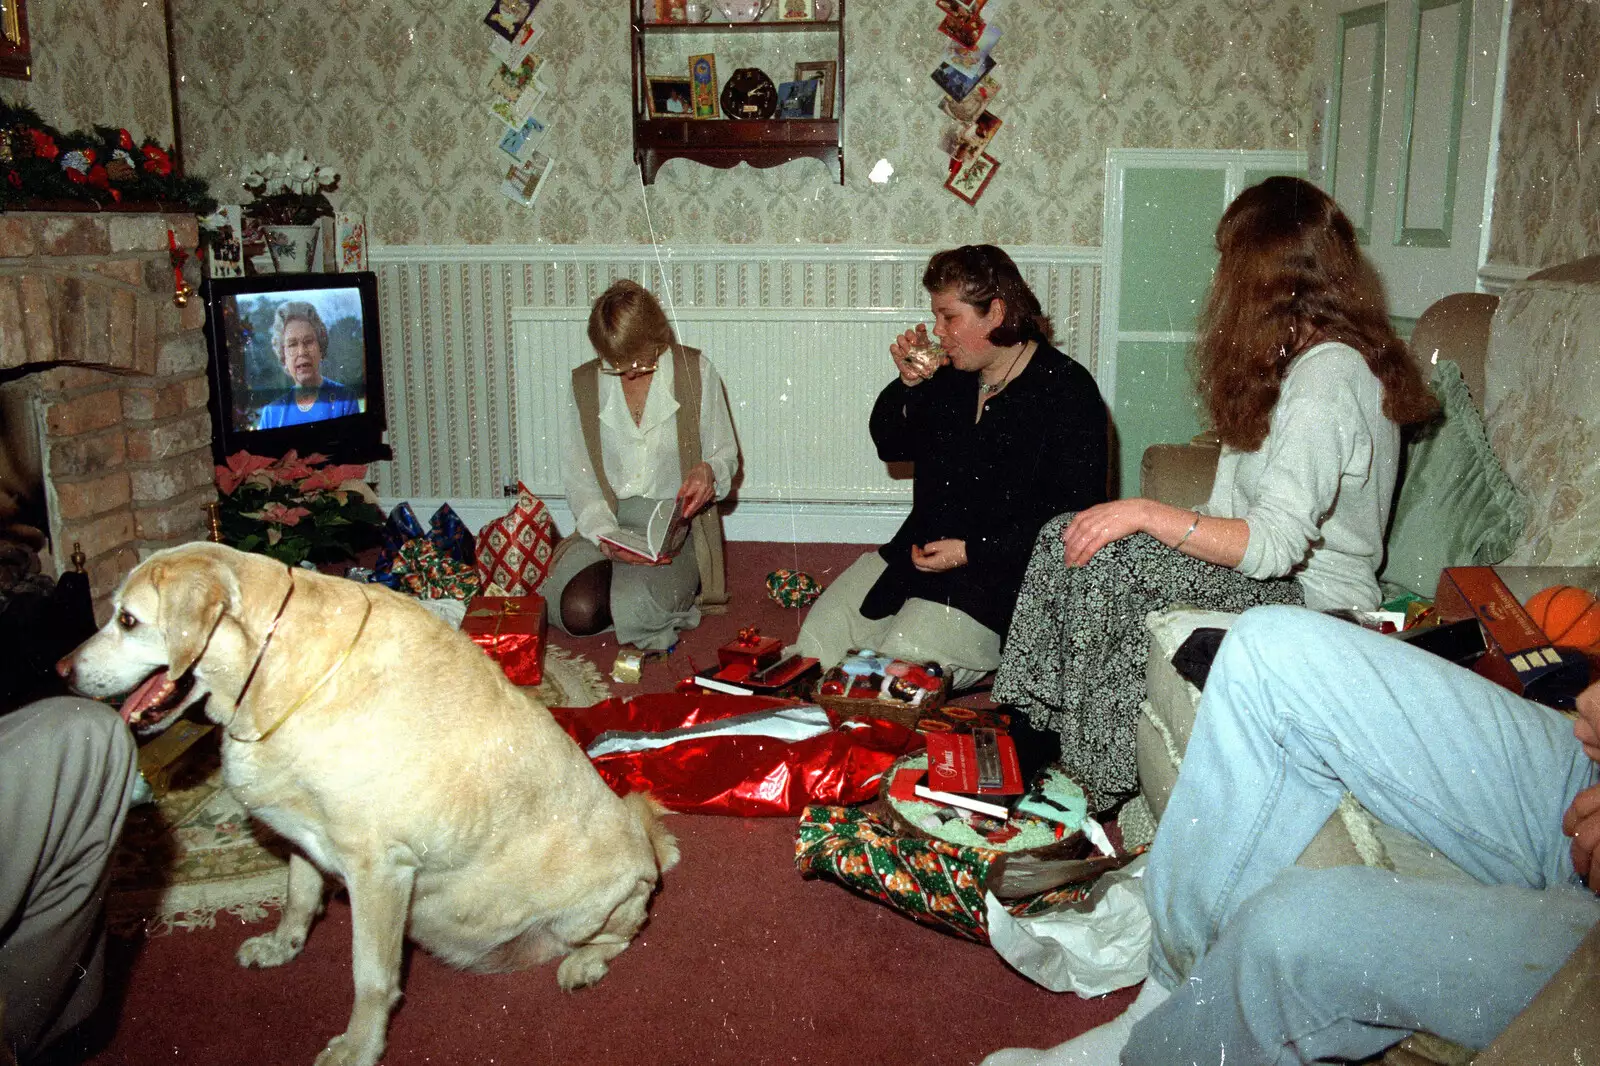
(1273, 963)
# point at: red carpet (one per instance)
(743, 962)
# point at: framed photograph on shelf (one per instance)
(795, 10)
(797, 99)
(971, 180)
(703, 86)
(669, 96)
(824, 72)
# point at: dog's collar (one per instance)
(273, 628)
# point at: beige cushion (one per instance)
(1542, 410)
(1351, 836)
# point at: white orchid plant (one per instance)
(289, 190)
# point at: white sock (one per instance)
(1100, 1046)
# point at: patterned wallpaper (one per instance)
(99, 63)
(1547, 194)
(390, 93)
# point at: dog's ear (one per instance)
(193, 597)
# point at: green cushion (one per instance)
(1455, 507)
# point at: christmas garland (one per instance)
(40, 163)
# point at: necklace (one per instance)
(986, 390)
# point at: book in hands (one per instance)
(662, 538)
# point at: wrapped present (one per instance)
(933, 881)
(792, 588)
(400, 527)
(750, 649)
(423, 571)
(744, 756)
(514, 553)
(451, 535)
(511, 631)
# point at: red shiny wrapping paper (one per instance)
(744, 776)
(511, 630)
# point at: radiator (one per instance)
(800, 386)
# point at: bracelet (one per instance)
(1188, 532)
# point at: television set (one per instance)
(296, 363)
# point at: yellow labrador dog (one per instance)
(398, 759)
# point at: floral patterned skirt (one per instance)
(1074, 658)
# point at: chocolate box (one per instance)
(512, 631)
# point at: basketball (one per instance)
(1569, 616)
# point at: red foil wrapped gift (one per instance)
(666, 744)
(511, 631)
(751, 649)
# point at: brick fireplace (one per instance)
(112, 377)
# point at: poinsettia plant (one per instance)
(295, 509)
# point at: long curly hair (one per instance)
(1292, 274)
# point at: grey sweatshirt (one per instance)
(1317, 493)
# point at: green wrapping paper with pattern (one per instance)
(792, 588)
(427, 573)
(934, 882)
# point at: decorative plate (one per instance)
(741, 10)
(749, 93)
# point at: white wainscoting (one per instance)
(478, 343)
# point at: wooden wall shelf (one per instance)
(725, 143)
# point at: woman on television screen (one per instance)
(300, 341)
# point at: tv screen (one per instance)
(296, 363)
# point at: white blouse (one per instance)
(642, 459)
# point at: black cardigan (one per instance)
(1040, 449)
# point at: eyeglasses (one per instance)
(638, 366)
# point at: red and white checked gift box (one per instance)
(514, 551)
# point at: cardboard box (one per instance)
(512, 631)
(1517, 653)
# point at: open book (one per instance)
(663, 535)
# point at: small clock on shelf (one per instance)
(749, 93)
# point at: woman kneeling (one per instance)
(648, 422)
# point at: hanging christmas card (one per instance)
(969, 108)
(524, 180)
(970, 181)
(519, 142)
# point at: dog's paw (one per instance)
(345, 1050)
(269, 949)
(579, 969)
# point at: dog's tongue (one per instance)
(154, 689)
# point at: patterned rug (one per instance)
(195, 853)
